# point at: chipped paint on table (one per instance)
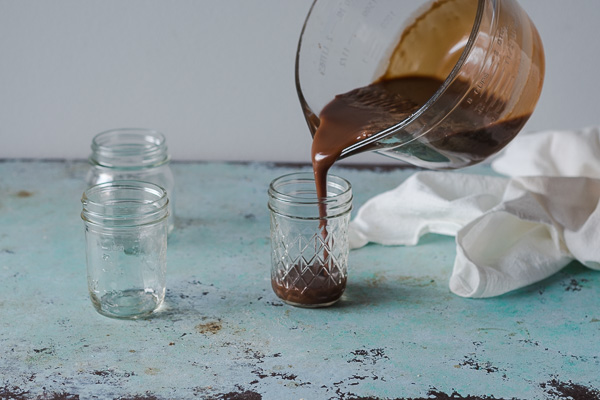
(398, 332)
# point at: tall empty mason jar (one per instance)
(309, 239)
(132, 154)
(126, 247)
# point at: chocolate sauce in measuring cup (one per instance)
(361, 113)
(458, 85)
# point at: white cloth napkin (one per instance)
(552, 153)
(510, 232)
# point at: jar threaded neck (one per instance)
(295, 195)
(129, 148)
(122, 204)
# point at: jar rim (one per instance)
(336, 181)
(301, 201)
(124, 203)
(129, 148)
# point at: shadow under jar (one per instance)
(309, 239)
(126, 247)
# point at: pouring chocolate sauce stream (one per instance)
(355, 116)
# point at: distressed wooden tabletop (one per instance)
(397, 333)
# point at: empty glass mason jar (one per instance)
(126, 247)
(132, 154)
(309, 239)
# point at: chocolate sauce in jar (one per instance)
(313, 285)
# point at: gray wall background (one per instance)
(217, 77)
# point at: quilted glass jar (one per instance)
(309, 239)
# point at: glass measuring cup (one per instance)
(487, 55)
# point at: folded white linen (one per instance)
(427, 202)
(552, 153)
(510, 232)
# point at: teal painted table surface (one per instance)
(397, 333)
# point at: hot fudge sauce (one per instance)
(357, 115)
(317, 285)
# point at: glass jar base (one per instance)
(127, 304)
(317, 296)
(301, 305)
